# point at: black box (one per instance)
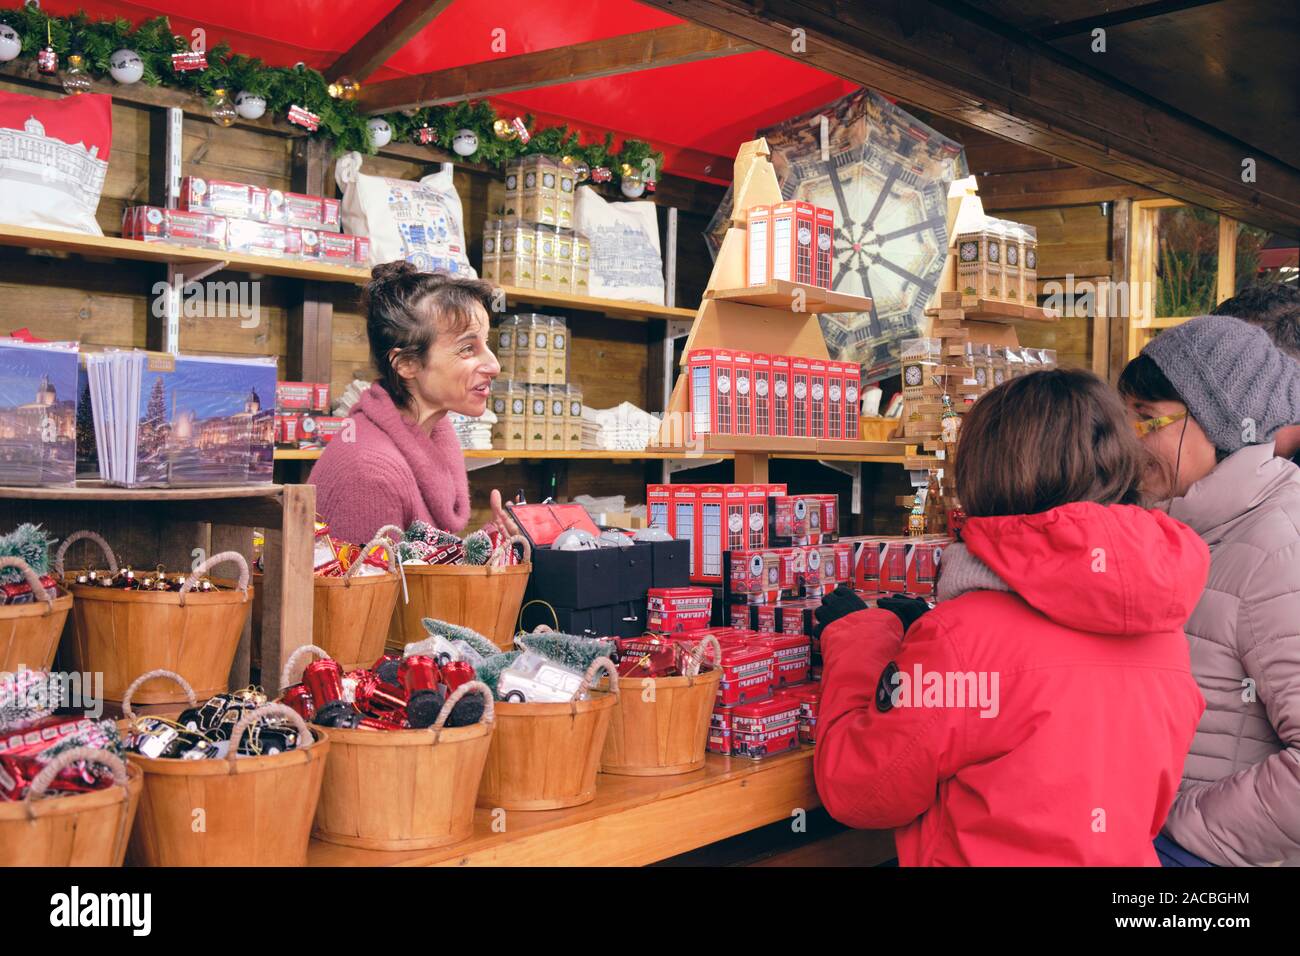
(584, 622)
(574, 579)
(672, 564)
(629, 618)
(635, 567)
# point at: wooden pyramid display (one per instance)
(779, 317)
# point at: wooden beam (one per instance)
(386, 37)
(1069, 186)
(961, 64)
(1227, 274)
(1114, 18)
(646, 50)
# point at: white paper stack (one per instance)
(474, 433)
(622, 428)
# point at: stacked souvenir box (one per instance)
(535, 407)
(238, 217)
(794, 241)
(733, 392)
(532, 244)
(302, 418)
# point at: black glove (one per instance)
(907, 609)
(841, 602)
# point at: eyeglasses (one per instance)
(1148, 425)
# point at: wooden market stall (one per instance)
(1088, 150)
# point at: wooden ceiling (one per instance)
(1185, 93)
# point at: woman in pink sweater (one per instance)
(402, 460)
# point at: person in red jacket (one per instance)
(1042, 712)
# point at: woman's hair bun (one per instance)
(395, 271)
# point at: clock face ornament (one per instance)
(887, 179)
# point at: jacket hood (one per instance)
(1116, 569)
(1237, 485)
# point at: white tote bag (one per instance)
(626, 263)
(420, 222)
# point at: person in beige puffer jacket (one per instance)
(1208, 395)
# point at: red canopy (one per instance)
(696, 113)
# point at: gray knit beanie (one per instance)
(1239, 386)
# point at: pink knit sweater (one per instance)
(391, 473)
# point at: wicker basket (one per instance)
(122, 633)
(81, 829)
(352, 615)
(240, 811)
(484, 598)
(29, 633)
(545, 756)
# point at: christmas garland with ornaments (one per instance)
(77, 48)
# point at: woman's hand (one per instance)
(501, 518)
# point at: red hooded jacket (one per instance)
(1079, 704)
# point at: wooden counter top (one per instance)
(633, 820)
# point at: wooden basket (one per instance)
(29, 633)
(255, 811)
(82, 829)
(123, 633)
(484, 598)
(545, 756)
(667, 733)
(352, 615)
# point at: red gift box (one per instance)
(852, 411)
(761, 363)
(659, 512)
(742, 393)
(709, 540)
(824, 253)
(817, 372)
(809, 698)
(800, 382)
(835, 400)
(735, 517)
(746, 674)
(331, 217)
(792, 655)
(672, 610)
(765, 728)
(223, 198)
(294, 396)
(893, 565)
(255, 238)
(154, 224)
(922, 559)
(360, 251)
(758, 245)
(685, 503)
(720, 732)
(792, 241)
(781, 396)
(647, 657)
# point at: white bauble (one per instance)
(381, 134)
(465, 142)
(126, 67)
(11, 44)
(249, 105)
(633, 187)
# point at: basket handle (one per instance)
(696, 655)
(305, 738)
(387, 528)
(42, 781)
(39, 590)
(89, 536)
(215, 559)
(598, 665)
(287, 671)
(378, 541)
(150, 675)
(498, 557)
(470, 687)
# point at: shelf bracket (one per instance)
(854, 470)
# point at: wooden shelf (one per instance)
(161, 252)
(779, 447)
(633, 820)
(992, 310)
(611, 307)
(780, 293)
(115, 248)
(888, 453)
(99, 491)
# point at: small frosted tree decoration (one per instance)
(455, 632)
(478, 548)
(29, 542)
(567, 649)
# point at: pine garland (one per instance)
(32, 544)
(340, 120)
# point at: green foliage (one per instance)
(478, 548)
(340, 121)
(455, 632)
(567, 649)
(29, 542)
(489, 672)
